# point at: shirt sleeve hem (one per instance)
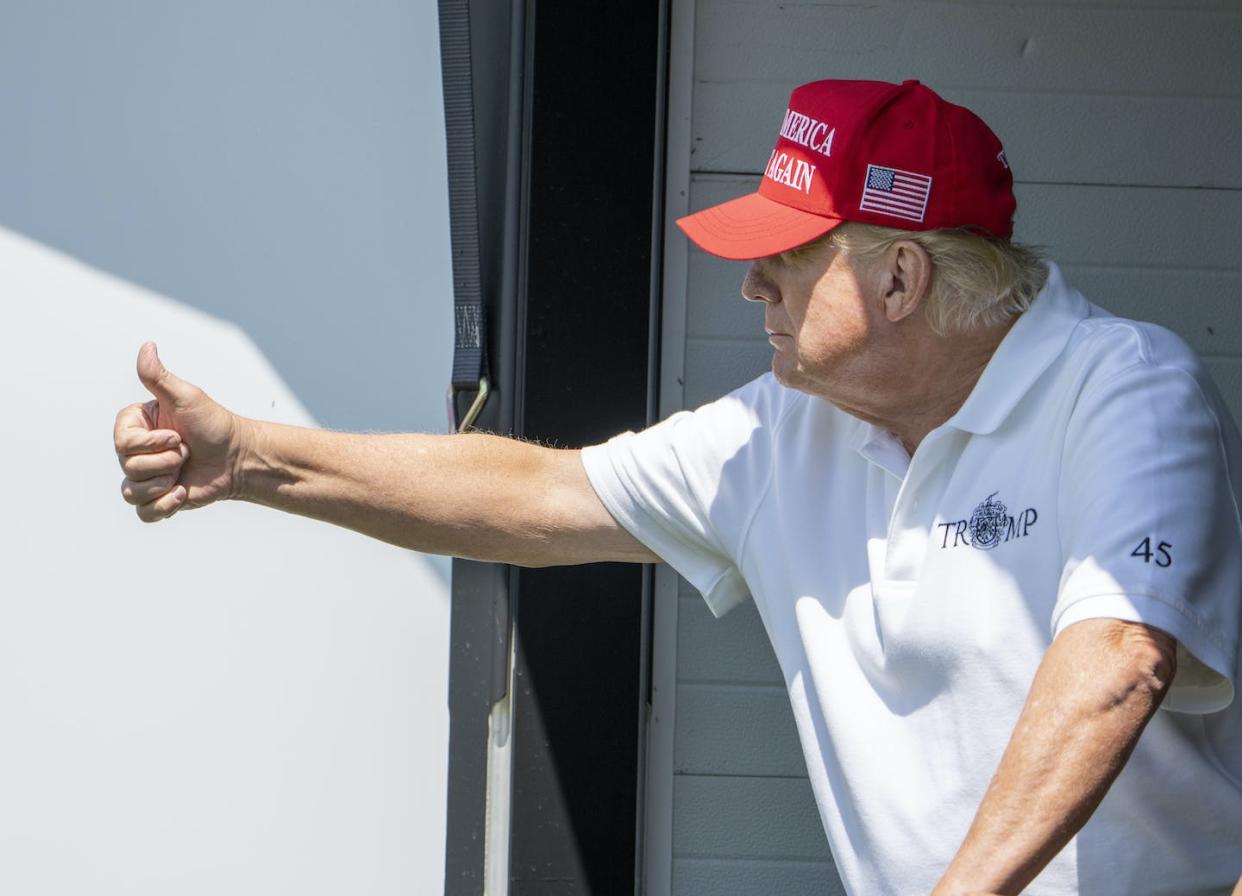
(720, 582)
(1189, 694)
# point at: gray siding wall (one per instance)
(1122, 123)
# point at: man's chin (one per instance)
(781, 373)
(789, 376)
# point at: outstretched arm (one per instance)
(1099, 683)
(472, 495)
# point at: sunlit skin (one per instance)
(853, 333)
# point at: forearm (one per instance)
(470, 495)
(1092, 696)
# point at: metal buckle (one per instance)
(476, 406)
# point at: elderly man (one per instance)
(990, 528)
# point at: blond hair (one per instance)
(977, 281)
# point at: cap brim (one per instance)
(753, 226)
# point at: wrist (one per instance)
(246, 460)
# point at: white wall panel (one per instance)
(1227, 372)
(740, 877)
(746, 818)
(1026, 47)
(732, 649)
(231, 701)
(715, 366)
(736, 730)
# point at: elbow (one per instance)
(1148, 662)
(1158, 660)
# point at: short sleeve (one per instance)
(688, 487)
(1149, 522)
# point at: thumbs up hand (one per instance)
(178, 450)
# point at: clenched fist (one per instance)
(179, 450)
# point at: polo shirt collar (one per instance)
(1028, 349)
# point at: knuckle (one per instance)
(147, 489)
(134, 467)
(154, 511)
(142, 467)
(124, 420)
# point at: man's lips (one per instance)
(773, 336)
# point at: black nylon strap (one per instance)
(470, 316)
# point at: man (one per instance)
(990, 528)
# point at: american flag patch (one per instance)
(891, 191)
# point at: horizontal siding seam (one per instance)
(944, 87)
(715, 775)
(708, 858)
(718, 684)
(1151, 268)
(726, 340)
(712, 172)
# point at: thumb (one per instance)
(159, 381)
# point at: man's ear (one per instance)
(906, 279)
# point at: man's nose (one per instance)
(756, 288)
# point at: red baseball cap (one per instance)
(896, 155)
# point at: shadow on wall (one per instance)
(234, 700)
(280, 165)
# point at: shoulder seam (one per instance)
(1136, 333)
(1220, 444)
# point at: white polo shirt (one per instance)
(910, 600)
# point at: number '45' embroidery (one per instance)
(1161, 555)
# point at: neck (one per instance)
(927, 380)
